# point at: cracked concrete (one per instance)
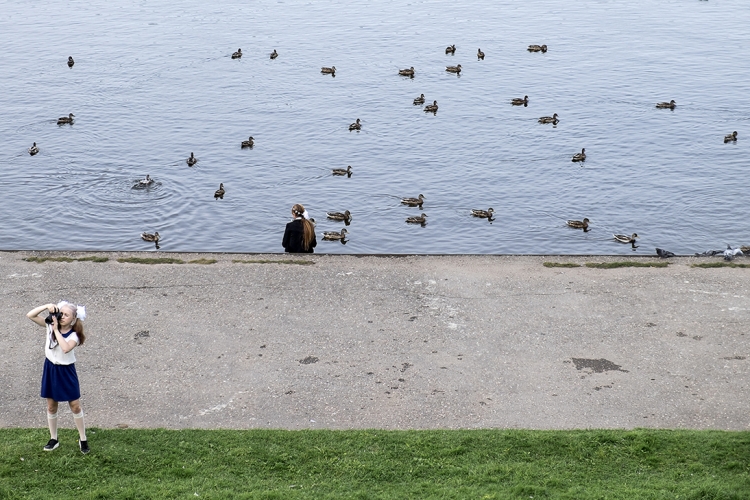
(387, 342)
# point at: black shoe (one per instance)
(84, 445)
(51, 445)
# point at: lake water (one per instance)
(154, 81)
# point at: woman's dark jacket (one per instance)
(293, 238)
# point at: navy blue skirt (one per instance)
(60, 382)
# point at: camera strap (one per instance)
(51, 339)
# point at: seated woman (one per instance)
(299, 236)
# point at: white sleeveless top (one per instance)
(56, 354)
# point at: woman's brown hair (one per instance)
(308, 230)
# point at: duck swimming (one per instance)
(624, 238)
(333, 235)
(249, 143)
(340, 171)
(192, 160)
(65, 119)
(421, 219)
(356, 125)
(345, 216)
(537, 48)
(219, 192)
(520, 102)
(237, 55)
(274, 54)
(145, 182)
(419, 100)
(413, 202)
(33, 149)
(580, 156)
(71, 62)
(480, 54)
(407, 72)
(483, 214)
(450, 49)
(731, 137)
(453, 69)
(431, 108)
(150, 237)
(328, 71)
(666, 105)
(579, 224)
(549, 119)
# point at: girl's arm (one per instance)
(65, 344)
(33, 315)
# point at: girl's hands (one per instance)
(52, 308)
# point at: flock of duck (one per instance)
(421, 219)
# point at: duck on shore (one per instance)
(579, 224)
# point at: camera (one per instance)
(57, 315)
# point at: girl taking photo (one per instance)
(64, 326)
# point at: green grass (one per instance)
(51, 259)
(203, 261)
(477, 464)
(561, 264)
(150, 260)
(627, 263)
(719, 264)
(91, 258)
(283, 261)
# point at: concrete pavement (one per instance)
(415, 342)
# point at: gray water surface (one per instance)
(154, 81)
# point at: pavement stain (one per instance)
(597, 365)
